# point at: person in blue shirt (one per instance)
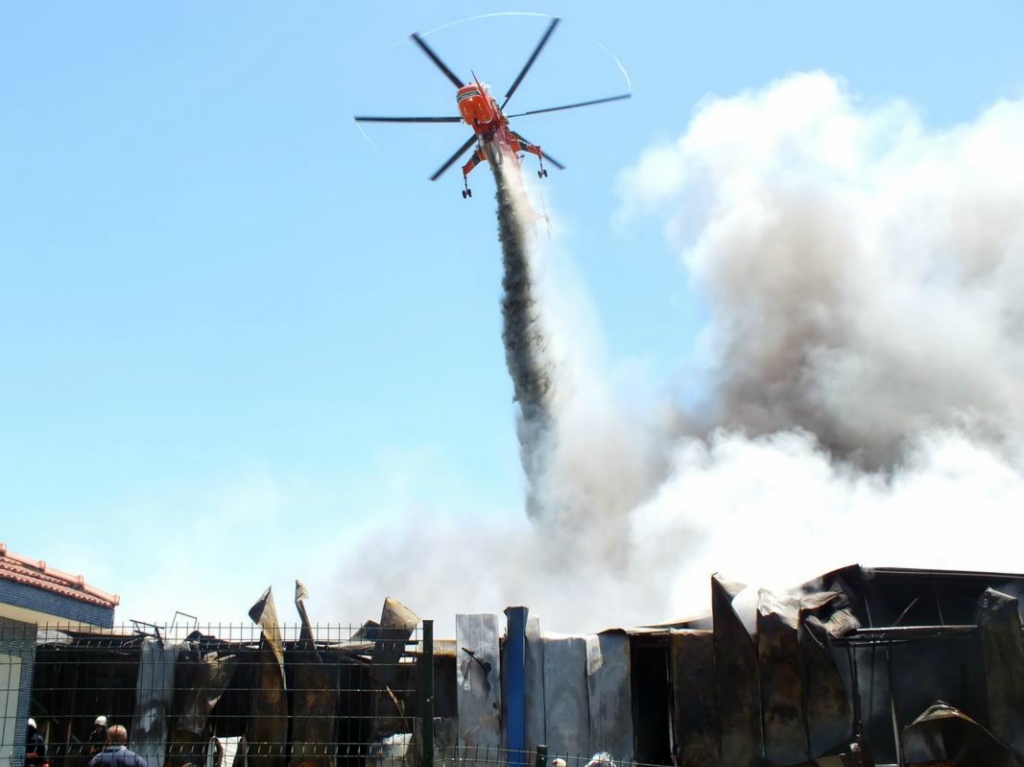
(116, 753)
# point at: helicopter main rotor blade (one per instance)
(533, 58)
(436, 59)
(547, 157)
(572, 106)
(408, 119)
(552, 160)
(451, 160)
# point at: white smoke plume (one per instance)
(864, 276)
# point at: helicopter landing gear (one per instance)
(542, 173)
(467, 192)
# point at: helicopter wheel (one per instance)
(469, 192)
(463, 194)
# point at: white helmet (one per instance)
(101, 721)
(32, 724)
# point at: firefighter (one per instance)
(98, 736)
(35, 747)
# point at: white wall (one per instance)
(10, 682)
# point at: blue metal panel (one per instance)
(515, 686)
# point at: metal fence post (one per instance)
(542, 756)
(427, 713)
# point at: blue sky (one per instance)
(220, 304)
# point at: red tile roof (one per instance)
(36, 573)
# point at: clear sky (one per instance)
(233, 331)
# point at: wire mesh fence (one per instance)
(244, 696)
(219, 695)
(542, 756)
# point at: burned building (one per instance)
(862, 666)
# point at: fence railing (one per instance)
(221, 695)
(541, 756)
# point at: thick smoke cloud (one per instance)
(863, 275)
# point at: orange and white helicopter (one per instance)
(479, 109)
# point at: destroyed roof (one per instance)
(900, 596)
(37, 574)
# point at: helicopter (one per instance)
(493, 137)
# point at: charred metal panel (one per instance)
(1000, 625)
(446, 698)
(354, 722)
(736, 682)
(650, 675)
(825, 616)
(314, 687)
(153, 695)
(782, 693)
(535, 734)
(266, 731)
(478, 669)
(610, 698)
(945, 735)
(695, 714)
(567, 716)
(199, 683)
(397, 624)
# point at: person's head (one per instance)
(31, 726)
(117, 735)
(100, 723)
